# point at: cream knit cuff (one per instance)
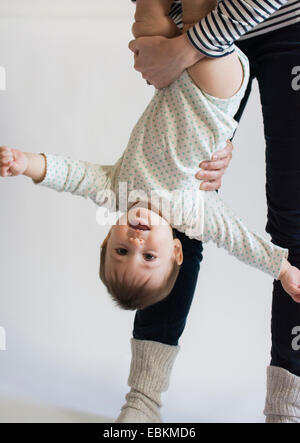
(283, 396)
(149, 376)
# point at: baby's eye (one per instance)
(121, 251)
(149, 257)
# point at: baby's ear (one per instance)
(178, 253)
(104, 243)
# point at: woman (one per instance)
(273, 49)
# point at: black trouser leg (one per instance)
(273, 58)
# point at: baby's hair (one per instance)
(130, 297)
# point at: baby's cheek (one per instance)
(162, 239)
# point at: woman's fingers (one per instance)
(296, 297)
(220, 163)
(212, 171)
(294, 291)
(224, 153)
(215, 165)
(211, 186)
(220, 159)
(210, 175)
(133, 46)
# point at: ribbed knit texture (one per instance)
(149, 376)
(283, 396)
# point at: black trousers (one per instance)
(274, 58)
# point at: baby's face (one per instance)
(141, 245)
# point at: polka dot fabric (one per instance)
(226, 230)
(80, 178)
(180, 127)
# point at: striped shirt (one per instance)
(232, 20)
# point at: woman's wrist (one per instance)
(187, 52)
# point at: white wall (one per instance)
(71, 89)
(66, 8)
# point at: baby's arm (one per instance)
(221, 77)
(58, 173)
(223, 227)
(152, 19)
(14, 162)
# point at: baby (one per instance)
(182, 125)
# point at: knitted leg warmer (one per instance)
(150, 370)
(283, 396)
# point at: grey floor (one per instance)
(20, 411)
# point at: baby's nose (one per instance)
(136, 240)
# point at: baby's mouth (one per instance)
(139, 226)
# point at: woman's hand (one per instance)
(162, 60)
(290, 280)
(212, 171)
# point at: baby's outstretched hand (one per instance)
(290, 281)
(12, 162)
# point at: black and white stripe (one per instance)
(288, 14)
(237, 19)
(215, 34)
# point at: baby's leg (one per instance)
(152, 19)
(221, 77)
(194, 10)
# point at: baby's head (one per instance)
(140, 259)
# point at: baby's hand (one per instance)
(12, 162)
(290, 281)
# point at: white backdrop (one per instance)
(71, 89)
